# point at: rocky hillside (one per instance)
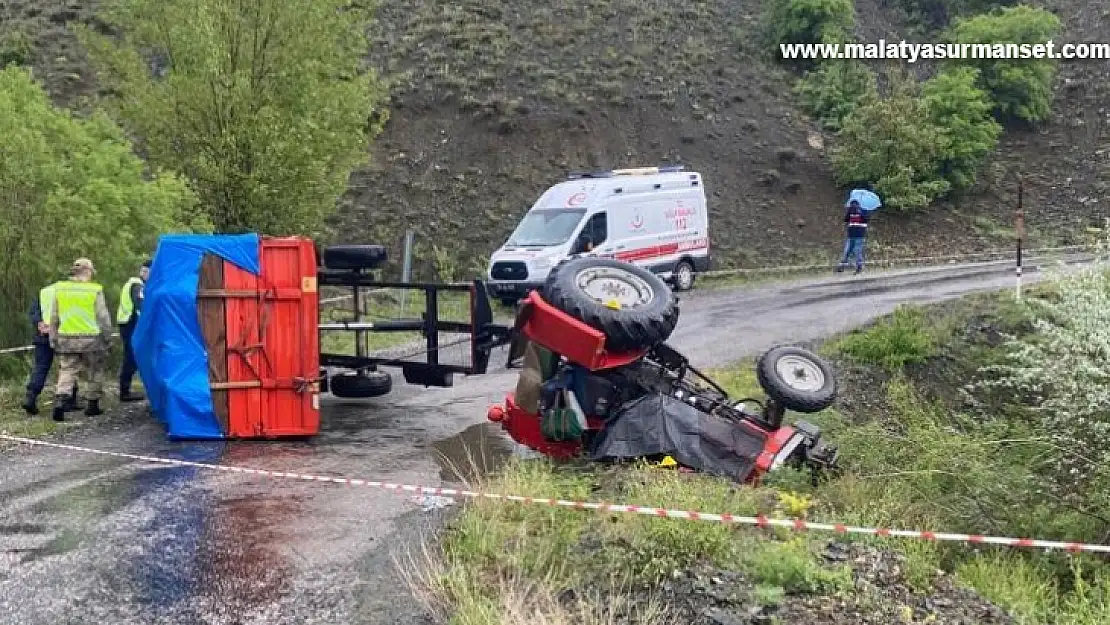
(493, 101)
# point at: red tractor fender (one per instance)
(562, 334)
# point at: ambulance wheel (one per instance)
(632, 306)
(797, 379)
(683, 276)
(360, 385)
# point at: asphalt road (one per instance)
(89, 539)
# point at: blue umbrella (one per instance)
(868, 201)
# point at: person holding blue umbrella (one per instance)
(861, 203)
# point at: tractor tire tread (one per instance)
(624, 330)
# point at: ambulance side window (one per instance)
(595, 232)
(599, 228)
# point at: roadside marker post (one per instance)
(1019, 231)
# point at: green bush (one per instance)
(267, 127)
(835, 89)
(810, 21)
(891, 144)
(1061, 374)
(1020, 88)
(938, 13)
(962, 114)
(898, 340)
(72, 187)
(16, 47)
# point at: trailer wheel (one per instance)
(351, 257)
(632, 306)
(797, 379)
(360, 385)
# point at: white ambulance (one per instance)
(655, 217)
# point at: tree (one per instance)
(1021, 88)
(892, 144)
(962, 113)
(16, 46)
(265, 106)
(810, 21)
(937, 13)
(836, 88)
(73, 187)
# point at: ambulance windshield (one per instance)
(546, 227)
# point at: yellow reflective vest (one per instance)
(46, 300)
(77, 308)
(126, 304)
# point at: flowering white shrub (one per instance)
(1063, 371)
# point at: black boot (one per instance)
(129, 396)
(59, 409)
(93, 408)
(31, 404)
(71, 404)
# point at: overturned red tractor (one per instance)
(599, 381)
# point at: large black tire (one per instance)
(797, 379)
(354, 256)
(360, 385)
(647, 315)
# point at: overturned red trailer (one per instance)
(228, 343)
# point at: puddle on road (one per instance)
(64, 541)
(475, 452)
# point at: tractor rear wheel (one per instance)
(632, 306)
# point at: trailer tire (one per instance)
(574, 287)
(360, 385)
(797, 379)
(350, 257)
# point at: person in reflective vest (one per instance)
(80, 332)
(127, 316)
(43, 354)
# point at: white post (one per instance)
(1019, 231)
(406, 269)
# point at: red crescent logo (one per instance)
(576, 199)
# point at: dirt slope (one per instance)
(494, 101)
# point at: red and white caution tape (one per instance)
(891, 262)
(757, 521)
(939, 260)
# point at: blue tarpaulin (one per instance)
(168, 343)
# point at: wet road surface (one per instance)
(89, 539)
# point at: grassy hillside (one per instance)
(924, 445)
(494, 101)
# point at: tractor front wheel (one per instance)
(797, 379)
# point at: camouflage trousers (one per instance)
(86, 365)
